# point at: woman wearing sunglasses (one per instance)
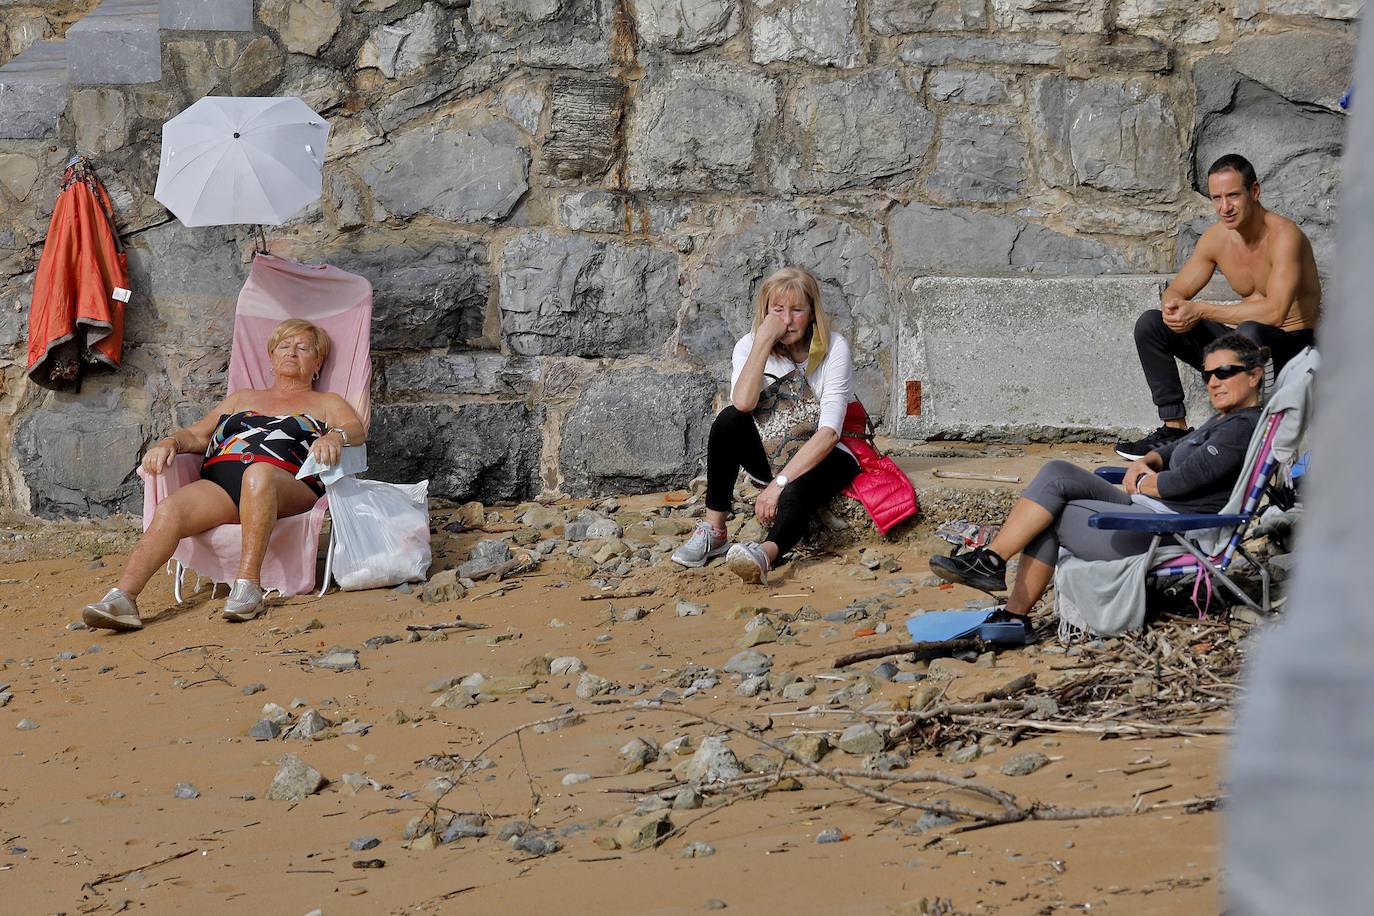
(1195, 473)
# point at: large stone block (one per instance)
(1063, 352)
(513, 14)
(1323, 9)
(77, 453)
(689, 26)
(618, 212)
(583, 134)
(1086, 16)
(1108, 135)
(208, 15)
(426, 292)
(670, 150)
(397, 48)
(858, 132)
(457, 374)
(1184, 21)
(760, 239)
(304, 26)
(185, 283)
(982, 158)
(1302, 65)
(637, 431)
(818, 32)
(487, 451)
(891, 17)
(940, 241)
(33, 91)
(117, 42)
(970, 87)
(463, 172)
(568, 295)
(939, 50)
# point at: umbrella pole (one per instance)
(262, 240)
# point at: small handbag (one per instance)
(787, 415)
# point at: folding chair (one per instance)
(277, 289)
(1210, 543)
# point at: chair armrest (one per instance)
(1111, 474)
(1163, 524)
(156, 487)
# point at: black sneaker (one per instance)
(980, 568)
(1134, 451)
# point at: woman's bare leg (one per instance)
(268, 493)
(196, 507)
(1024, 522)
(1032, 578)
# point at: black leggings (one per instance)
(735, 444)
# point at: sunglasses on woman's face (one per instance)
(1221, 372)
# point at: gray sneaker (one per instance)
(245, 601)
(748, 561)
(700, 547)
(116, 611)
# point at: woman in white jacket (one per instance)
(790, 387)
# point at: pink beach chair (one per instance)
(277, 289)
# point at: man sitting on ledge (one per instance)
(1267, 260)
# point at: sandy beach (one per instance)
(91, 821)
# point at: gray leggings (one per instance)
(1072, 495)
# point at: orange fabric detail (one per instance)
(73, 290)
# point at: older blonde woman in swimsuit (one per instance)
(254, 442)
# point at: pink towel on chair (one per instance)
(278, 289)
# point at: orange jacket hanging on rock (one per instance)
(77, 314)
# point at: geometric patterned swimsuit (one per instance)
(246, 437)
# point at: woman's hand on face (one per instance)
(766, 505)
(159, 458)
(771, 328)
(327, 448)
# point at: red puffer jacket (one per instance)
(886, 492)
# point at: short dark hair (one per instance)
(1235, 162)
(1246, 350)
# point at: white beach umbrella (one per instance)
(229, 161)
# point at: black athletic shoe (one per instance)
(980, 568)
(1134, 451)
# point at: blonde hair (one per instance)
(795, 279)
(293, 326)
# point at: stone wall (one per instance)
(566, 206)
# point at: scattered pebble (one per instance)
(26, 725)
(832, 835)
(573, 779)
(697, 850)
(363, 843)
(1024, 764)
(186, 790)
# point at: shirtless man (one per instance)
(1267, 260)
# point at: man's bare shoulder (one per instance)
(1284, 230)
(1212, 241)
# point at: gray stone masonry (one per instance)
(1026, 358)
(33, 91)
(216, 15)
(566, 209)
(118, 42)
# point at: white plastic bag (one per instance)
(381, 532)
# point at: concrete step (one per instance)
(33, 91)
(208, 15)
(116, 43)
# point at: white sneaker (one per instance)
(245, 601)
(748, 561)
(116, 611)
(701, 547)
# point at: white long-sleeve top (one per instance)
(832, 382)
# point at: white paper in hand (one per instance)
(352, 460)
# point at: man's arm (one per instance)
(1194, 274)
(1285, 276)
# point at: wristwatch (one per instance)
(780, 480)
(342, 435)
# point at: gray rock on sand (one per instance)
(862, 738)
(338, 660)
(26, 725)
(310, 724)
(295, 780)
(1024, 764)
(713, 762)
(264, 728)
(749, 663)
(186, 790)
(535, 844)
